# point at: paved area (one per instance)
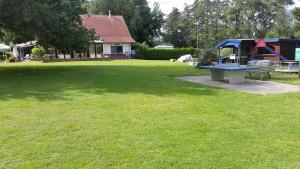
(250, 86)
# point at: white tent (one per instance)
(4, 47)
(185, 58)
(26, 44)
(18, 50)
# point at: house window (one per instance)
(116, 49)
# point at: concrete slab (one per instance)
(250, 86)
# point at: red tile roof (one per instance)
(112, 29)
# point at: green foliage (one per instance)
(141, 50)
(174, 28)
(38, 51)
(54, 23)
(6, 56)
(207, 57)
(206, 22)
(11, 59)
(164, 54)
(296, 14)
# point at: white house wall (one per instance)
(107, 48)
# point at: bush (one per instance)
(207, 57)
(5, 55)
(11, 59)
(163, 54)
(38, 51)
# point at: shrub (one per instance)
(2, 56)
(163, 54)
(38, 51)
(207, 57)
(5, 55)
(141, 50)
(11, 59)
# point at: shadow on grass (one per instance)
(67, 81)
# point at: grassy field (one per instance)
(135, 114)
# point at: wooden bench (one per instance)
(264, 68)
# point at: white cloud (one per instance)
(167, 5)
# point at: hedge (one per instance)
(164, 54)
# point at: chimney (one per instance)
(109, 13)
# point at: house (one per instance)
(244, 48)
(112, 38)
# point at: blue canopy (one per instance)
(229, 43)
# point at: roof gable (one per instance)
(112, 29)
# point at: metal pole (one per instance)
(299, 70)
(198, 37)
(95, 48)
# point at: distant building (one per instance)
(112, 38)
(164, 47)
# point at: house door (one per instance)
(99, 50)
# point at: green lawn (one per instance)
(134, 114)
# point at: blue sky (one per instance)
(167, 5)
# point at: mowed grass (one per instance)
(135, 114)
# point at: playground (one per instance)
(283, 54)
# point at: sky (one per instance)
(167, 5)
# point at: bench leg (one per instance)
(217, 75)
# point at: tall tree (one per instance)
(177, 28)
(296, 14)
(54, 23)
(157, 20)
(207, 22)
(210, 18)
(259, 18)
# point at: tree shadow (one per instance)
(48, 82)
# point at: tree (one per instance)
(157, 21)
(259, 18)
(54, 23)
(210, 17)
(296, 14)
(206, 22)
(174, 29)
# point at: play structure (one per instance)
(262, 44)
(285, 66)
(275, 54)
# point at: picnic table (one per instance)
(236, 74)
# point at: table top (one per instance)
(228, 68)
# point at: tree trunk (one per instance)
(56, 53)
(72, 54)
